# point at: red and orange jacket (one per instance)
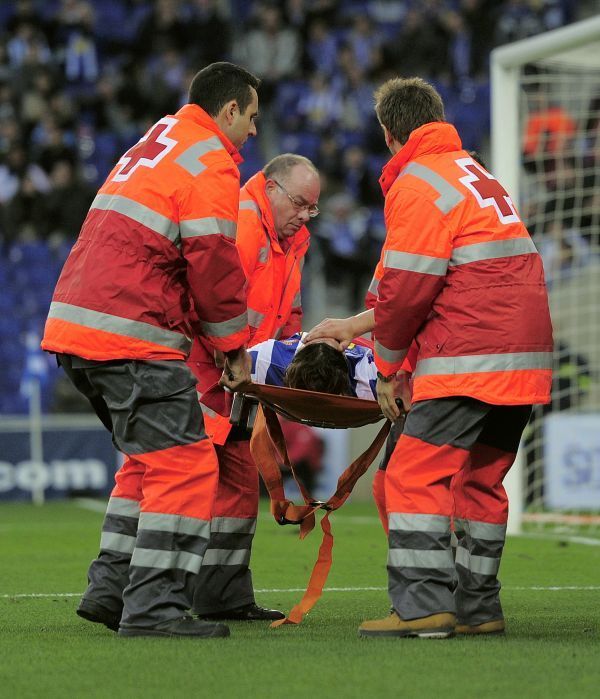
(274, 273)
(274, 276)
(460, 277)
(156, 251)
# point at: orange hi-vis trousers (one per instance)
(157, 524)
(446, 473)
(225, 579)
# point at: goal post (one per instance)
(545, 151)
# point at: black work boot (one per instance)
(249, 612)
(184, 627)
(91, 611)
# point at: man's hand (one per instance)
(236, 370)
(389, 391)
(338, 329)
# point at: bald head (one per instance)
(293, 188)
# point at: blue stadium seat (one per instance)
(304, 142)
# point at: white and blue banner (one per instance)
(78, 461)
(572, 461)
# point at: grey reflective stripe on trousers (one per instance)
(449, 196)
(421, 573)
(226, 327)
(190, 159)
(476, 363)
(210, 225)
(492, 250)
(410, 262)
(109, 573)
(297, 300)
(225, 581)
(119, 325)
(389, 355)
(478, 555)
(165, 542)
(138, 212)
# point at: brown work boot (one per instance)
(434, 626)
(495, 627)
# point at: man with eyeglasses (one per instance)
(272, 240)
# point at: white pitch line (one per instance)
(533, 588)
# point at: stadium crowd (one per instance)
(81, 81)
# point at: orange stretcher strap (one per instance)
(268, 449)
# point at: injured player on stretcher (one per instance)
(315, 367)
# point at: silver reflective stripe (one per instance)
(208, 226)
(177, 524)
(166, 560)
(481, 530)
(374, 286)
(263, 254)
(277, 334)
(410, 262)
(250, 205)
(481, 565)
(119, 326)
(421, 523)
(255, 318)
(111, 541)
(416, 558)
(449, 195)
(226, 557)
(207, 411)
(138, 212)
(190, 158)
(123, 507)
(492, 250)
(389, 355)
(227, 327)
(475, 363)
(297, 300)
(233, 525)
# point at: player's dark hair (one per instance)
(404, 104)
(219, 83)
(319, 367)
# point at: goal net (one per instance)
(546, 150)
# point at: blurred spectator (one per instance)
(208, 33)
(271, 51)
(320, 107)
(349, 251)
(66, 204)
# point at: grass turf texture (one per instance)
(551, 648)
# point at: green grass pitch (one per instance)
(551, 599)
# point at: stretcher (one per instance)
(256, 408)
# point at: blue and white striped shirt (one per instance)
(271, 358)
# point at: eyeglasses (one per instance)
(311, 209)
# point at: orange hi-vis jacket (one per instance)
(274, 272)
(460, 276)
(156, 253)
(274, 277)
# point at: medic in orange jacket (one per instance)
(461, 277)
(150, 248)
(274, 275)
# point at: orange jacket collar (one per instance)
(199, 116)
(434, 137)
(255, 187)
